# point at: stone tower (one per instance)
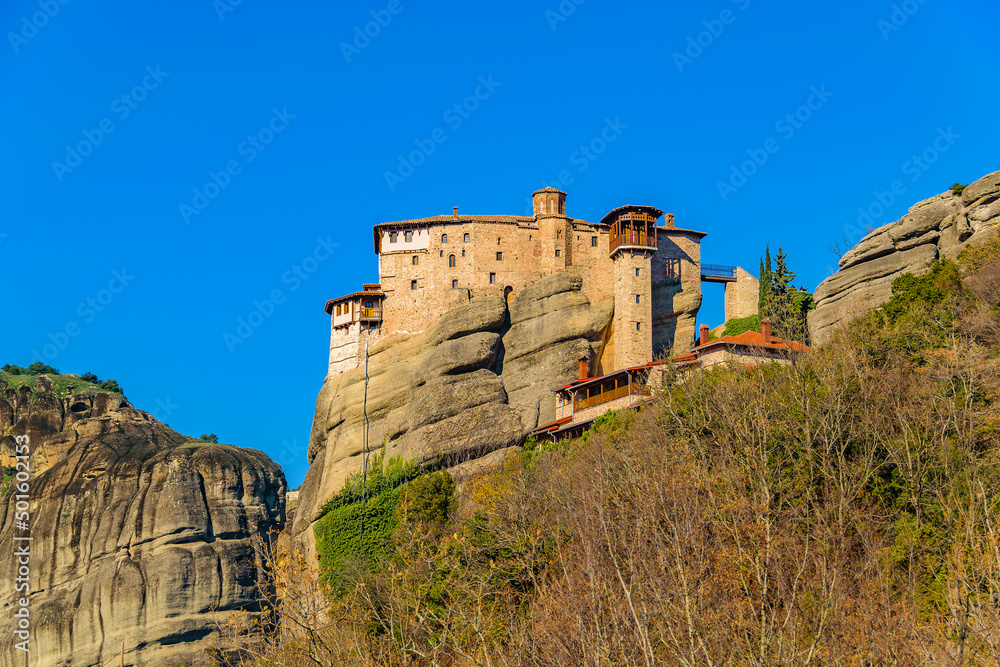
(554, 228)
(632, 244)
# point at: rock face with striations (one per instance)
(473, 384)
(142, 539)
(939, 227)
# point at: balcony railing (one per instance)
(371, 313)
(610, 395)
(631, 237)
(718, 273)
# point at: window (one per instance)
(593, 241)
(393, 237)
(451, 260)
(551, 206)
(558, 233)
(499, 256)
(529, 237)
(466, 238)
(369, 304)
(637, 298)
(498, 240)
(444, 238)
(637, 273)
(441, 253)
(408, 236)
(416, 260)
(413, 284)
(558, 252)
(454, 284)
(638, 326)
(493, 278)
(338, 309)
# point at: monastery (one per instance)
(635, 254)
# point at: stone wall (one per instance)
(633, 309)
(742, 296)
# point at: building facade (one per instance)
(428, 266)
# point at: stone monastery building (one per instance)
(428, 266)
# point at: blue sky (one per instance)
(171, 168)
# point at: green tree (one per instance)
(38, 368)
(13, 370)
(210, 437)
(90, 377)
(111, 385)
(765, 283)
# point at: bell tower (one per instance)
(632, 244)
(553, 229)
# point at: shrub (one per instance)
(210, 437)
(90, 377)
(14, 370)
(111, 385)
(736, 326)
(429, 498)
(958, 187)
(973, 258)
(38, 368)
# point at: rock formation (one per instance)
(142, 539)
(475, 383)
(935, 228)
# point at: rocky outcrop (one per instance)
(939, 227)
(142, 540)
(475, 383)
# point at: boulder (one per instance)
(939, 227)
(143, 540)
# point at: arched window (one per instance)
(463, 252)
(466, 238)
(393, 236)
(551, 206)
(451, 260)
(454, 284)
(444, 238)
(408, 236)
(416, 260)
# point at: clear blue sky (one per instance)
(309, 128)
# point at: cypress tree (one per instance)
(764, 295)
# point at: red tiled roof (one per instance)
(666, 230)
(332, 302)
(633, 207)
(755, 339)
(551, 425)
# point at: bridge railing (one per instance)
(718, 271)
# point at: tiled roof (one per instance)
(333, 302)
(756, 339)
(666, 230)
(548, 189)
(447, 220)
(641, 208)
(599, 378)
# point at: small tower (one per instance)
(632, 244)
(549, 206)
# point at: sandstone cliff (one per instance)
(475, 383)
(142, 539)
(938, 227)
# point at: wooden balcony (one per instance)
(370, 313)
(632, 233)
(607, 392)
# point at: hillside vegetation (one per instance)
(843, 510)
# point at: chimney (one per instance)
(583, 368)
(703, 339)
(454, 211)
(765, 329)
